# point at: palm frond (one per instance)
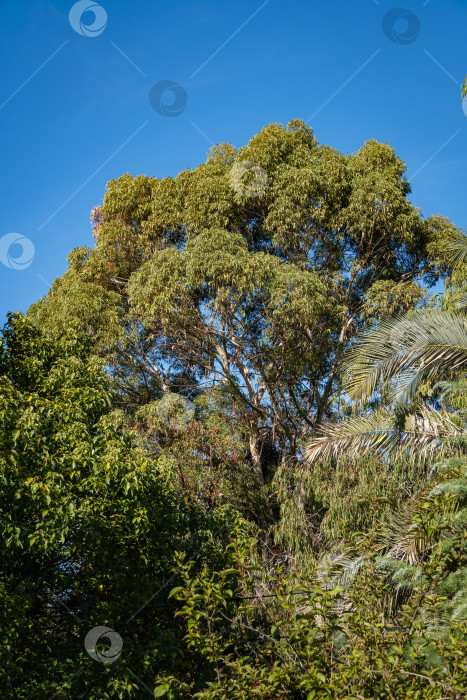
(381, 432)
(411, 348)
(461, 303)
(456, 247)
(338, 568)
(401, 537)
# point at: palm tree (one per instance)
(403, 352)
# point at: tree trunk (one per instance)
(264, 536)
(255, 451)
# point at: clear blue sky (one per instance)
(75, 111)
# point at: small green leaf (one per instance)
(175, 590)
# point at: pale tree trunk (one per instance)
(255, 452)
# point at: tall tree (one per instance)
(244, 280)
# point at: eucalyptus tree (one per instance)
(241, 282)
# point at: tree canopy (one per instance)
(232, 445)
(90, 528)
(240, 283)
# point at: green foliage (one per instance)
(90, 528)
(422, 545)
(351, 497)
(155, 411)
(296, 641)
(386, 297)
(251, 273)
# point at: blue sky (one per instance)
(75, 109)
